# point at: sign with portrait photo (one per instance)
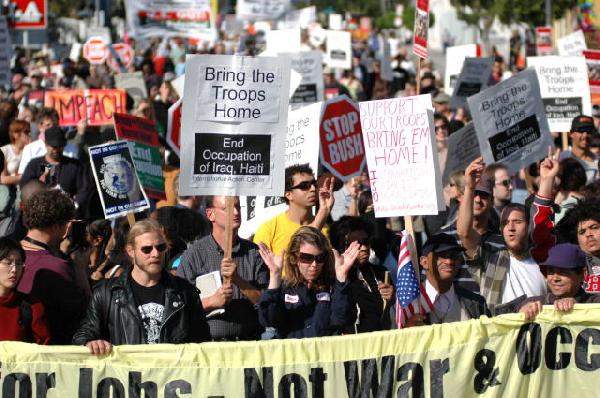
(116, 180)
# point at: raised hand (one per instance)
(473, 173)
(344, 262)
(273, 262)
(326, 199)
(550, 166)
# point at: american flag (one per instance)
(411, 297)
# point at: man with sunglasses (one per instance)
(301, 195)
(244, 276)
(502, 185)
(145, 304)
(581, 134)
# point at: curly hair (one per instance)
(585, 210)
(48, 208)
(339, 231)
(314, 237)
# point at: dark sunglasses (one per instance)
(506, 183)
(159, 248)
(309, 258)
(305, 185)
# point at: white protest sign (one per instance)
(233, 122)
(384, 57)
(309, 65)
(254, 10)
(565, 89)
(510, 121)
(455, 57)
(75, 52)
(301, 147)
(473, 78)
(301, 18)
(5, 52)
(463, 148)
(283, 40)
(316, 35)
(178, 84)
(335, 22)
(572, 45)
(133, 83)
(339, 49)
(399, 140)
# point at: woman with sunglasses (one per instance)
(312, 298)
(370, 290)
(22, 318)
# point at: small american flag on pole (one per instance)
(411, 297)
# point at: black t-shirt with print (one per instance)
(150, 303)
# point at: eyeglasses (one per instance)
(11, 264)
(159, 248)
(305, 185)
(307, 258)
(506, 183)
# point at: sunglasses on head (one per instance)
(305, 185)
(307, 258)
(159, 248)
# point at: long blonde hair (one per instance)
(314, 237)
(143, 227)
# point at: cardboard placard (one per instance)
(256, 10)
(133, 84)
(336, 22)
(455, 57)
(5, 52)
(116, 180)
(143, 139)
(233, 122)
(29, 14)
(572, 45)
(309, 64)
(543, 40)
(399, 137)
(339, 49)
(463, 148)
(421, 29)
(564, 87)
(592, 59)
(342, 150)
(473, 78)
(301, 18)
(283, 40)
(95, 105)
(174, 127)
(301, 147)
(511, 122)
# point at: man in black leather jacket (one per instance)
(145, 305)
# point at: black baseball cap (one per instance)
(55, 137)
(583, 123)
(439, 243)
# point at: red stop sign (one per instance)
(174, 126)
(94, 50)
(342, 149)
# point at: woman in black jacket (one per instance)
(313, 298)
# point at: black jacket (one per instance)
(113, 316)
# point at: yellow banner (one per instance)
(558, 355)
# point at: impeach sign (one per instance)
(95, 106)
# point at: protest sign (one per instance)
(421, 29)
(403, 166)
(75, 53)
(339, 49)
(99, 31)
(473, 78)
(335, 21)
(174, 126)
(234, 118)
(309, 64)
(592, 59)
(95, 50)
(5, 52)
(463, 148)
(342, 150)
(301, 18)
(455, 57)
(95, 105)
(564, 88)
(511, 122)
(186, 18)
(384, 56)
(143, 141)
(256, 10)
(124, 53)
(283, 40)
(543, 40)
(116, 179)
(316, 35)
(572, 44)
(133, 84)
(554, 356)
(29, 14)
(301, 147)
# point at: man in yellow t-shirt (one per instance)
(301, 196)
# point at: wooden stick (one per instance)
(228, 232)
(565, 140)
(418, 75)
(131, 219)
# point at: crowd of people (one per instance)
(325, 266)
